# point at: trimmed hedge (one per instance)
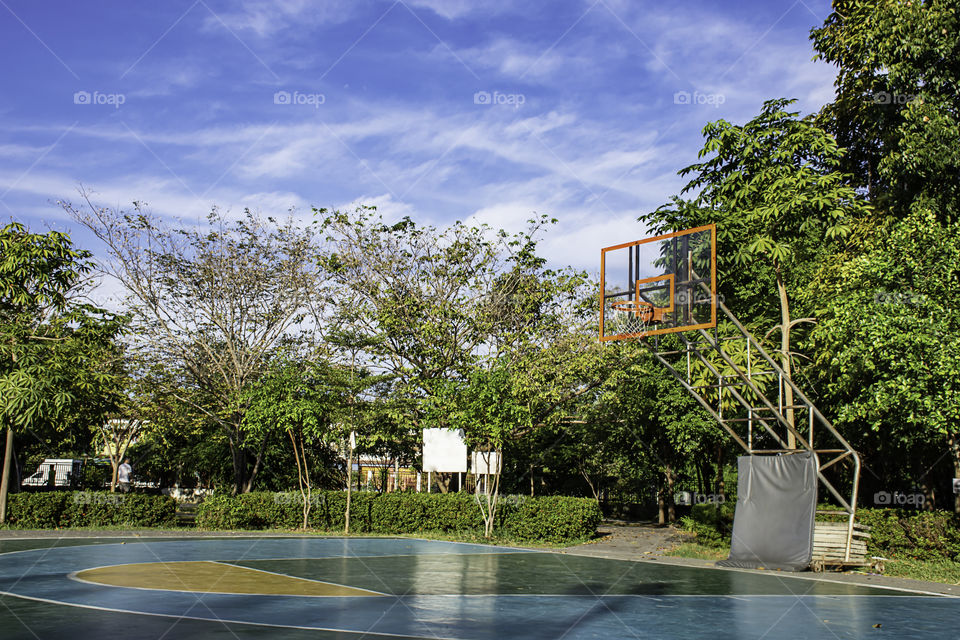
(917, 535)
(547, 518)
(60, 509)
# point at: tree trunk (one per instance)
(531, 481)
(114, 473)
(346, 515)
(239, 462)
(785, 355)
(720, 486)
(671, 509)
(5, 481)
(248, 485)
(955, 454)
(303, 475)
(661, 507)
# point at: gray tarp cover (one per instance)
(776, 506)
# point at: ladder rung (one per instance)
(786, 406)
(725, 385)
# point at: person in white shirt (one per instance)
(123, 475)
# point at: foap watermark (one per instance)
(98, 98)
(712, 99)
(93, 497)
(900, 298)
(316, 500)
(898, 499)
(885, 97)
(689, 498)
(515, 100)
(299, 98)
(684, 298)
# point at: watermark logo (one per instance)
(297, 499)
(697, 98)
(901, 298)
(513, 500)
(688, 498)
(885, 97)
(515, 100)
(898, 499)
(299, 98)
(684, 298)
(92, 497)
(97, 98)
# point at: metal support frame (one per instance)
(744, 389)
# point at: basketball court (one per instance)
(309, 587)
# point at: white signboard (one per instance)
(484, 462)
(444, 451)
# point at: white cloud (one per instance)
(266, 18)
(387, 206)
(520, 61)
(455, 9)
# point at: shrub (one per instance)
(918, 535)
(36, 510)
(549, 518)
(59, 509)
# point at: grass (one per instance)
(942, 571)
(698, 551)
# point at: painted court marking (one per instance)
(206, 576)
(449, 591)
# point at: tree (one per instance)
(412, 293)
(897, 108)
(888, 347)
(490, 409)
(778, 197)
(301, 399)
(213, 303)
(119, 423)
(50, 343)
(668, 431)
(442, 310)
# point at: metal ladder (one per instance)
(743, 388)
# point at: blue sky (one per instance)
(443, 110)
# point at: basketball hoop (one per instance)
(641, 309)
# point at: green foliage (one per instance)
(897, 106)
(712, 524)
(61, 509)
(698, 551)
(922, 535)
(211, 305)
(888, 344)
(945, 571)
(55, 352)
(548, 518)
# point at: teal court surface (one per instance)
(352, 588)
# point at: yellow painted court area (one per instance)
(212, 577)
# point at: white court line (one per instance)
(73, 576)
(216, 620)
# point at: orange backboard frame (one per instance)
(712, 228)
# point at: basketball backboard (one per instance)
(663, 284)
